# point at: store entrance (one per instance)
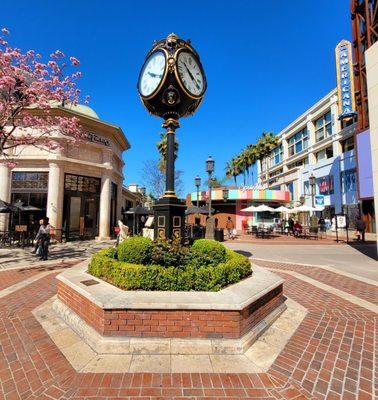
(81, 207)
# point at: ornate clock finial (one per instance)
(172, 39)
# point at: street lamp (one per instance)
(210, 169)
(312, 180)
(197, 182)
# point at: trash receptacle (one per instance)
(219, 235)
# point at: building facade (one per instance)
(228, 202)
(79, 187)
(316, 143)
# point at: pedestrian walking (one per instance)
(230, 228)
(43, 238)
(361, 228)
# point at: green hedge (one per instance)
(136, 250)
(131, 276)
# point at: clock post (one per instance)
(171, 85)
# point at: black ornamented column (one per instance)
(170, 125)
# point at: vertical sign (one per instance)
(345, 84)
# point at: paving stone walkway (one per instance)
(331, 355)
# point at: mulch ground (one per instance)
(331, 355)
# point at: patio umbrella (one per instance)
(263, 208)
(19, 205)
(251, 209)
(198, 210)
(282, 209)
(6, 207)
(305, 208)
(139, 210)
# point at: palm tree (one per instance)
(162, 145)
(232, 169)
(265, 145)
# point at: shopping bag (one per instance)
(39, 250)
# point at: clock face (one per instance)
(152, 73)
(190, 73)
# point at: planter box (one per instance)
(239, 312)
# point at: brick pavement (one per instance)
(331, 355)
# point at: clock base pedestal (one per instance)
(169, 218)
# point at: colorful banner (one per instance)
(345, 83)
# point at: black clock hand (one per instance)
(192, 77)
(153, 75)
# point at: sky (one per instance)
(266, 62)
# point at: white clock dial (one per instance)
(152, 73)
(190, 73)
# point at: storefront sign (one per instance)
(92, 137)
(345, 84)
(21, 228)
(319, 200)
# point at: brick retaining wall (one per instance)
(223, 324)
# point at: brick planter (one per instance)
(174, 323)
(231, 313)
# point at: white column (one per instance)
(5, 193)
(55, 195)
(312, 139)
(119, 201)
(372, 83)
(105, 197)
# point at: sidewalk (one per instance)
(352, 259)
(17, 257)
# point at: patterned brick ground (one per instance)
(357, 288)
(331, 355)
(12, 276)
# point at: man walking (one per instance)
(230, 228)
(361, 228)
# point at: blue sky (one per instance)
(265, 61)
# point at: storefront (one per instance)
(228, 202)
(76, 187)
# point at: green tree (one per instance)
(162, 146)
(264, 146)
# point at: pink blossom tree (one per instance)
(31, 89)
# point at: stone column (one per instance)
(5, 193)
(55, 196)
(311, 139)
(119, 200)
(105, 197)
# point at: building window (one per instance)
(348, 181)
(324, 185)
(275, 173)
(78, 183)
(298, 142)
(30, 181)
(299, 163)
(324, 154)
(276, 156)
(323, 127)
(347, 145)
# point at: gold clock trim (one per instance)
(163, 79)
(178, 77)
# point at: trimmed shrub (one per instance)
(207, 252)
(130, 276)
(168, 254)
(135, 250)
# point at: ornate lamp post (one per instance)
(197, 182)
(210, 163)
(171, 85)
(311, 181)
